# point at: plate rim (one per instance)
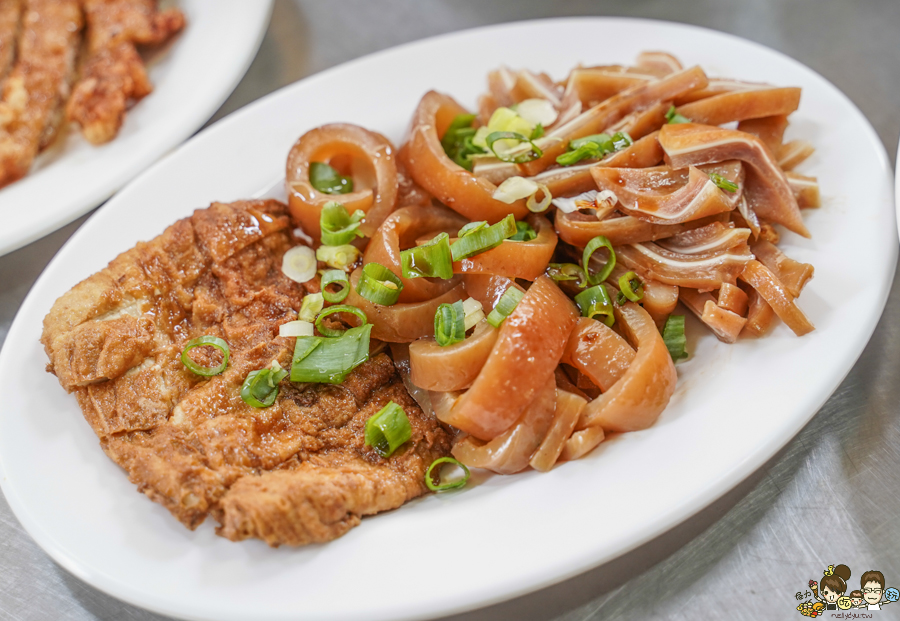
(183, 131)
(665, 520)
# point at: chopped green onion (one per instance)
(474, 312)
(260, 388)
(299, 264)
(524, 232)
(212, 341)
(505, 305)
(567, 271)
(296, 328)
(595, 301)
(450, 324)
(429, 481)
(339, 257)
(598, 242)
(673, 337)
(378, 284)
(672, 117)
(431, 260)
(327, 180)
(594, 146)
(330, 360)
(517, 188)
(723, 183)
(630, 288)
(528, 156)
(338, 226)
(341, 308)
(457, 141)
(482, 239)
(338, 277)
(388, 429)
(312, 304)
(537, 132)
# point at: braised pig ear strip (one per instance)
(525, 266)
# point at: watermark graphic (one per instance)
(830, 593)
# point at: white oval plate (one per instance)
(191, 78)
(734, 408)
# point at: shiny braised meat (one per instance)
(297, 472)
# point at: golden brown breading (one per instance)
(296, 472)
(114, 72)
(10, 18)
(39, 83)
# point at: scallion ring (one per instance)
(505, 305)
(630, 288)
(429, 481)
(212, 341)
(319, 360)
(450, 324)
(340, 308)
(595, 244)
(595, 302)
(524, 232)
(672, 117)
(388, 430)
(567, 271)
(528, 156)
(673, 337)
(431, 260)
(327, 180)
(378, 284)
(338, 226)
(339, 278)
(723, 183)
(472, 227)
(260, 388)
(312, 304)
(482, 239)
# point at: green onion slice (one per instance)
(312, 304)
(472, 227)
(339, 257)
(378, 284)
(672, 117)
(431, 260)
(594, 146)
(429, 481)
(327, 180)
(524, 232)
(528, 156)
(673, 337)
(340, 308)
(450, 324)
(723, 183)
(212, 341)
(457, 141)
(621, 140)
(330, 360)
(338, 226)
(505, 305)
(595, 244)
(595, 302)
(332, 277)
(567, 271)
(481, 239)
(630, 288)
(261, 387)
(537, 132)
(388, 429)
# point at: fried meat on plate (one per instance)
(114, 73)
(294, 473)
(34, 94)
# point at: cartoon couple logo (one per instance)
(871, 594)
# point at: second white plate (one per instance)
(191, 78)
(736, 405)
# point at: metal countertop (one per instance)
(830, 496)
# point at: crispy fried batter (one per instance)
(10, 17)
(37, 88)
(114, 73)
(294, 473)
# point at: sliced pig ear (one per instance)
(766, 188)
(661, 62)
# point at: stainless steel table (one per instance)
(829, 497)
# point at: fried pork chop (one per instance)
(114, 73)
(10, 16)
(294, 473)
(35, 92)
